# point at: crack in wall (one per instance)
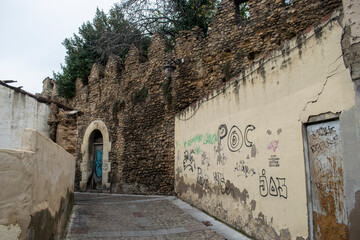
(331, 74)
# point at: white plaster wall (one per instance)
(19, 111)
(276, 100)
(35, 178)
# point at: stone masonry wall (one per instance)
(138, 104)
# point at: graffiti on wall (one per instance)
(244, 170)
(205, 160)
(205, 139)
(325, 137)
(202, 178)
(222, 183)
(273, 145)
(249, 128)
(197, 150)
(189, 162)
(236, 141)
(272, 188)
(274, 161)
(235, 137)
(179, 170)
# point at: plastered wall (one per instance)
(20, 111)
(36, 196)
(239, 152)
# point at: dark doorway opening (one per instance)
(96, 149)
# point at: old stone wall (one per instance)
(138, 104)
(247, 154)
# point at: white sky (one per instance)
(31, 33)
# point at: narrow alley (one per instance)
(113, 217)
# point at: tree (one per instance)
(131, 22)
(95, 42)
(169, 16)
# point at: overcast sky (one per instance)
(31, 33)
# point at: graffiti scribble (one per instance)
(279, 189)
(235, 139)
(273, 145)
(189, 161)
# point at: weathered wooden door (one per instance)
(327, 197)
(97, 169)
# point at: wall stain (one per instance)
(325, 221)
(354, 219)
(257, 227)
(44, 226)
(253, 150)
(328, 228)
(285, 234)
(253, 205)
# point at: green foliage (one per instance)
(244, 10)
(139, 95)
(65, 86)
(95, 42)
(191, 13)
(170, 16)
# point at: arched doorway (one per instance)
(95, 164)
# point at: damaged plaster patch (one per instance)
(253, 205)
(354, 219)
(253, 151)
(285, 234)
(10, 232)
(331, 74)
(256, 227)
(268, 132)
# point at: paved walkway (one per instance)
(118, 216)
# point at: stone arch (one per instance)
(86, 161)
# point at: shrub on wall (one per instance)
(139, 95)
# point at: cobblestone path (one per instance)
(113, 217)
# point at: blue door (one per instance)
(97, 169)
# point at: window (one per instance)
(287, 2)
(242, 8)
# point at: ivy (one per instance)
(139, 95)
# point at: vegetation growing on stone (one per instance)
(139, 95)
